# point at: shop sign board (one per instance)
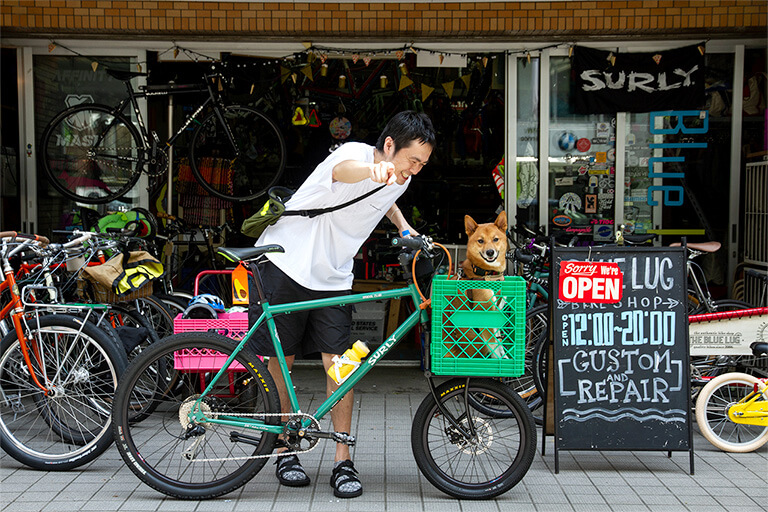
(620, 349)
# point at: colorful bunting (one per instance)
(307, 71)
(404, 82)
(426, 91)
(448, 87)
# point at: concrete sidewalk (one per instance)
(385, 403)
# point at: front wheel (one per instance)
(91, 154)
(69, 425)
(712, 414)
(176, 454)
(243, 167)
(480, 463)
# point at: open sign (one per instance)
(594, 282)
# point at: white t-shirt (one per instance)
(319, 251)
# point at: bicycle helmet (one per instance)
(204, 305)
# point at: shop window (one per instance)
(59, 83)
(465, 104)
(582, 159)
(528, 142)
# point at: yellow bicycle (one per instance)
(732, 409)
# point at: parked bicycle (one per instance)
(58, 373)
(732, 409)
(95, 153)
(220, 425)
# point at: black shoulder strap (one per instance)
(319, 211)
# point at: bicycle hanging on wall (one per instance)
(95, 154)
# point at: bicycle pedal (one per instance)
(343, 438)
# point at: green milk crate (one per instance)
(478, 338)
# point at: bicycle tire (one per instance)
(481, 468)
(712, 414)
(536, 322)
(718, 306)
(251, 170)
(162, 381)
(69, 427)
(107, 174)
(158, 316)
(155, 449)
(540, 360)
(176, 304)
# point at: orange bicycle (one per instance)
(58, 374)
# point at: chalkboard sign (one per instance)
(620, 338)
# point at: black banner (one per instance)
(608, 82)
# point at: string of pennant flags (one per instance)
(303, 62)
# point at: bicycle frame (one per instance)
(269, 311)
(748, 411)
(167, 90)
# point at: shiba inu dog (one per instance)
(486, 248)
(486, 260)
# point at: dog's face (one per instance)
(487, 244)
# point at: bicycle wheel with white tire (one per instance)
(712, 414)
(68, 425)
(477, 455)
(92, 154)
(171, 452)
(241, 168)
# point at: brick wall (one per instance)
(497, 20)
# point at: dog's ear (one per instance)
(501, 221)
(469, 225)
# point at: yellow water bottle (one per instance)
(344, 365)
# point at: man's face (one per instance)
(408, 160)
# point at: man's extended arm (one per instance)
(353, 171)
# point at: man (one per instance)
(318, 261)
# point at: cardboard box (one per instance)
(368, 322)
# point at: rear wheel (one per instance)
(477, 462)
(246, 170)
(712, 414)
(68, 426)
(92, 155)
(171, 452)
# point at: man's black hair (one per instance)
(405, 127)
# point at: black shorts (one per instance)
(302, 332)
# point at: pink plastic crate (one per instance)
(233, 325)
(199, 360)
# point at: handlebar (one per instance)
(13, 234)
(415, 243)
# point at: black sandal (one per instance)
(289, 471)
(345, 473)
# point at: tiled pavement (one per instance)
(385, 402)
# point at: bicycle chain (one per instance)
(269, 455)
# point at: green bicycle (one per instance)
(220, 424)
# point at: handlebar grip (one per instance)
(163, 215)
(410, 243)
(523, 257)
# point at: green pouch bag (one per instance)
(274, 208)
(270, 213)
